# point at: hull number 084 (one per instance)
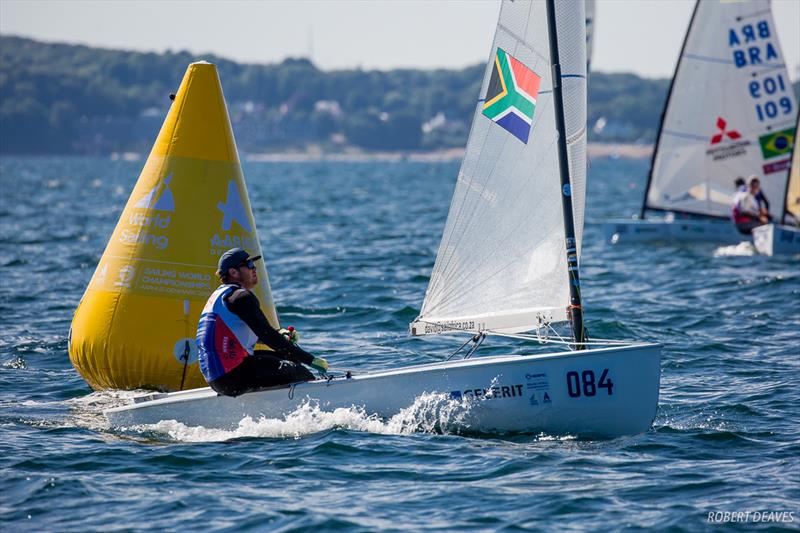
(585, 384)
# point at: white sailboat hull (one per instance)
(598, 392)
(774, 239)
(714, 231)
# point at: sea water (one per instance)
(349, 247)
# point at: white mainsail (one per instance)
(729, 113)
(502, 262)
(792, 207)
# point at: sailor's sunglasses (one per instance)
(249, 264)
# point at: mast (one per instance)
(575, 308)
(664, 112)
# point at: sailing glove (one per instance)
(290, 333)
(320, 364)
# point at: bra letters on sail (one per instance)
(730, 113)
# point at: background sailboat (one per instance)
(729, 113)
(783, 236)
(508, 262)
(791, 210)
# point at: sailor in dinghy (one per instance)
(231, 324)
(507, 265)
(750, 207)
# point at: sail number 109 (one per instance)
(766, 88)
(585, 384)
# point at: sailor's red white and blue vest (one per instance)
(223, 339)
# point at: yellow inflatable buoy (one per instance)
(136, 323)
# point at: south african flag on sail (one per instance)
(511, 95)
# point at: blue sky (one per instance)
(641, 36)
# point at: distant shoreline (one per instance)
(354, 155)
(620, 150)
(594, 150)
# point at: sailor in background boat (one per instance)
(750, 207)
(231, 324)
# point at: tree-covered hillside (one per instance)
(57, 98)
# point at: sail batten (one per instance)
(729, 113)
(502, 252)
(508, 322)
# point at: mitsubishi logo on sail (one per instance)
(735, 148)
(233, 209)
(731, 134)
(159, 197)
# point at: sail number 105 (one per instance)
(585, 384)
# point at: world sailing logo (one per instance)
(159, 197)
(145, 229)
(511, 95)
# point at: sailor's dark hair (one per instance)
(224, 277)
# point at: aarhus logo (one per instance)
(233, 209)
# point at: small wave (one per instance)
(406, 313)
(676, 421)
(17, 363)
(106, 399)
(743, 249)
(87, 411)
(430, 413)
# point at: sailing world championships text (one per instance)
(175, 282)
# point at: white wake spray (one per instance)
(743, 249)
(430, 413)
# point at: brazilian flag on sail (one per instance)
(511, 95)
(778, 143)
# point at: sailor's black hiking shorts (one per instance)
(259, 371)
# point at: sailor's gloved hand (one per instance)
(320, 364)
(291, 334)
